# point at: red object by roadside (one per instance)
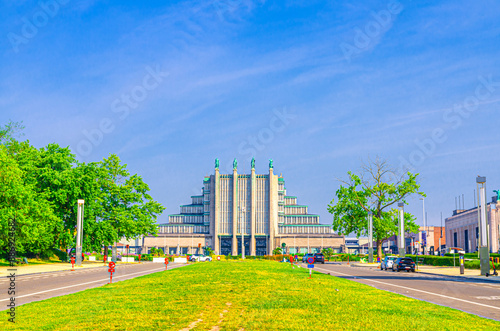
(73, 262)
(139, 257)
(111, 271)
(166, 263)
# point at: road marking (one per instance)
(489, 298)
(95, 281)
(414, 289)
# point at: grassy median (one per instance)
(237, 295)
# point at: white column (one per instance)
(79, 232)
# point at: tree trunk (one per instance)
(379, 248)
(105, 252)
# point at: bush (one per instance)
(63, 256)
(345, 257)
(446, 261)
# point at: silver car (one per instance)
(387, 262)
(200, 258)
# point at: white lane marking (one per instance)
(95, 281)
(414, 289)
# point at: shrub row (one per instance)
(445, 261)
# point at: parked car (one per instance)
(403, 263)
(318, 257)
(387, 262)
(200, 258)
(306, 256)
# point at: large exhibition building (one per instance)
(254, 204)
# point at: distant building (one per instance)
(357, 245)
(435, 236)
(462, 228)
(135, 245)
(253, 204)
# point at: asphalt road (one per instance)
(477, 297)
(38, 287)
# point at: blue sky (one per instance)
(316, 86)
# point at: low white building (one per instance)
(462, 229)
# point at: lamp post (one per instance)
(424, 232)
(370, 236)
(484, 252)
(79, 232)
(401, 241)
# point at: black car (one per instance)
(318, 257)
(403, 263)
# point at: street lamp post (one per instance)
(484, 252)
(79, 232)
(401, 245)
(424, 232)
(370, 237)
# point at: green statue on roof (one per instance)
(235, 164)
(216, 163)
(271, 164)
(253, 163)
(498, 194)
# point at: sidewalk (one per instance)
(49, 267)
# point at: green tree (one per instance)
(277, 251)
(208, 250)
(40, 187)
(36, 223)
(9, 131)
(327, 252)
(378, 189)
(126, 208)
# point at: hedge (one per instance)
(445, 261)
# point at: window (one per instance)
(455, 239)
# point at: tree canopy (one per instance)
(39, 188)
(378, 189)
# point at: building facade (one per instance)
(462, 229)
(432, 242)
(253, 206)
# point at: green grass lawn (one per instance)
(237, 295)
